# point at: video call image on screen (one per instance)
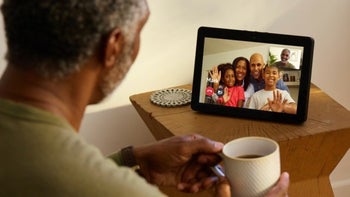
(282, 71)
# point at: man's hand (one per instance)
(279, 190)
(181, 161)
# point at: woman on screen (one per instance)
(242, 73)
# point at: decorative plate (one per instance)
(171, 97)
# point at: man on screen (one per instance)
(284, 64)
(256, 65)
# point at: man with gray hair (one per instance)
(62, 56)
(284, 63)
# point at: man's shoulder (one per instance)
(290, 66)
(284, 66)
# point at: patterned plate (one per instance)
(171, 97)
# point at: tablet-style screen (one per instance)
(252, 74)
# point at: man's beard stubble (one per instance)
(118, 72)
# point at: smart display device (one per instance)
(217, 46)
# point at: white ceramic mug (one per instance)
(252, 165)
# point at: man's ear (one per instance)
(113, 47)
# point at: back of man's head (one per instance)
(53, 38)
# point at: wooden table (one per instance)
(309, 152)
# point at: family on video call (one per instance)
(251, 83)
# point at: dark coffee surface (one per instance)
(252, 156)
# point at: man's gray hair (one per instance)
(55, 37)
